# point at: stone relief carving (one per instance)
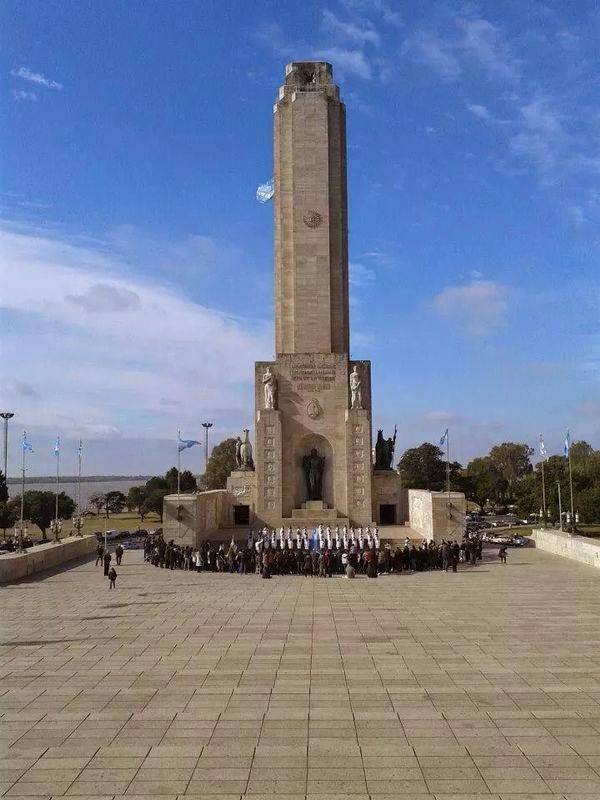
(270, 389)
(355, 390)
(313, 409)
(312, 219)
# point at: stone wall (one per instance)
(578, 548)
(189, 518)
(44, 556)
(387, 491)
(428, 514)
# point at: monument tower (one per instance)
(313, 405)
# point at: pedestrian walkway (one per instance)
(481, 684)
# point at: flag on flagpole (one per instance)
(543, 453)
(25, 444)
(80, 448)
(57, 446)
(567, 446)
(183, 444)
(444, 438)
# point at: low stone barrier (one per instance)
(44, 556)
(578, 548)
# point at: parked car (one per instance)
(133, 544)
(519, 541)
(495, 538)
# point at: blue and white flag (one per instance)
(567, 446)
(80, 449)
(25, 444)
(543, 453)
(265, 191)
(183, 444)
(444, 439)
(57, 446)
(313, 540)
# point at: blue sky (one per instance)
(137, 286)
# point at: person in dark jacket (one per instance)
(119, 553)
(99, 554)
(112, 577)
(107, 560)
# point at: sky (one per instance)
(137, 284)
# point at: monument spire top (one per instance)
(310, 208)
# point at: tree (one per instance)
(588, 504)
(220, 465)
(527, 493)
(9, 514)
(3, 488)
(135, 500)
(423, 467)
(187, 482)
(511, 460)
(97, 502)
(154, 502)
(114, 503)
(482, 482)
(39, 508)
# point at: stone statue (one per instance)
(270, 388)
(384, 450)
(355, 392)
(238, 453)
(312, 464)
(246, 462)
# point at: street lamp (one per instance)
(207, 426)
(6, 415)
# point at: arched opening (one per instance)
(303, 448)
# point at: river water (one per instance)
(88, 488)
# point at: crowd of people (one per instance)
(269, 554)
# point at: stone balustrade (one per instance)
(578, 548)
(44, 556)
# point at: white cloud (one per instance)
(439, 416)
(19, 94)
(480, 111)
(105, 347)
(458, 44)
(478, 307)
(360, 275)
(362, 31)
(35, 77)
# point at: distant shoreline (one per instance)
(84, 478)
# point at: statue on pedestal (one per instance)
(355, 392)
(246, 462)
(312, 464)
(384, 450)
(270, 389)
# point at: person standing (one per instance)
(107, 560)
(119, 553)
(99, 554)
(502, 554)
(112, 577)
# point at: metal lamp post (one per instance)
(6, 415)
(207, 426)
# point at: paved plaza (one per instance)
(484, 684)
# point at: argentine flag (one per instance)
(542, 447)
(183, 444)
(57, 446)
(444, 438)
(567, 446)
(25, 444)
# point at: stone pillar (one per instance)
(268, 458)
(359, 469)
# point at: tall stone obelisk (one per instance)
(303, 398)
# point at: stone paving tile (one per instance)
(218, 686)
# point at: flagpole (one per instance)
(20, 543)
(79, 478)
(559, 506)
(573, 528)
(178, 482)
(448, 472)
(57, 488)
(543, 493)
